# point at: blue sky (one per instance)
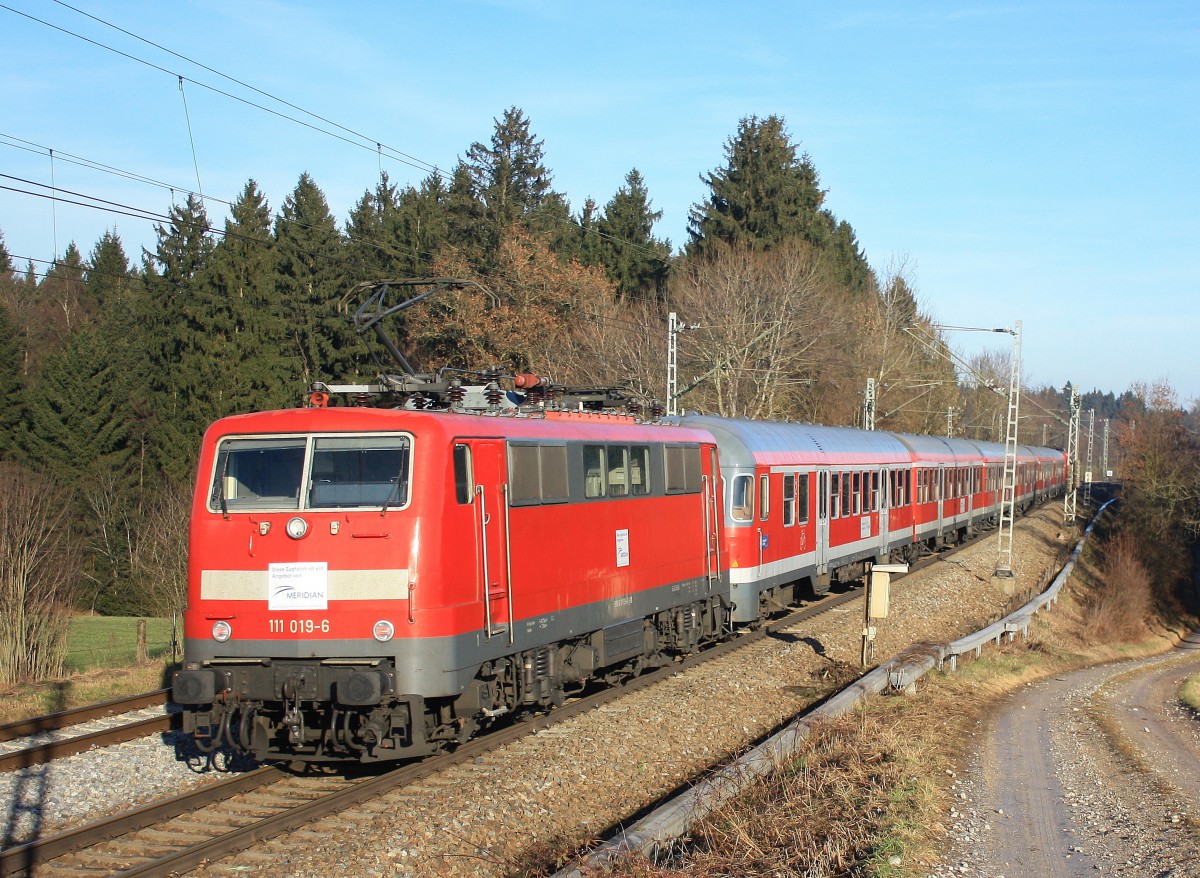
(1032, 161)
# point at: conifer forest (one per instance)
(112, 363)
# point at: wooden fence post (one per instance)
(142, 653)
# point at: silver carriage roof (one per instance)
(743, 442)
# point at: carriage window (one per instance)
(875, 498)
(359, 471)
(856, 493)
(835, 494)
(846, 494)
(789, 499)
(802, 496)
(464, 484)
(742, 498)
(618, 471)
(258, 474)
(593, 471)
(764, 497)
(639, 470)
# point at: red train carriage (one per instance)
(370, 583)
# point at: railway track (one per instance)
(41, 739)
(219, 819)
(176, 835)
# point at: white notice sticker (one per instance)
(623, 548)
(298, 586)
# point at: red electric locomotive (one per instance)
(371, 583)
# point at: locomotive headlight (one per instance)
(383, 630)
(222, 631)
(297, 527)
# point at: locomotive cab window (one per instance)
(358, 471)
(258, 474)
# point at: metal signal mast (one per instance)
(1008, 501)
(1072, 460)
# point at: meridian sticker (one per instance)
(298, 586)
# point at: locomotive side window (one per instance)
(258, 474)
(464, 481)
(359, 471)
(593, 470)
(537, 473)
(742, 498)
(524, 480)
(639, 470)
(618, 471)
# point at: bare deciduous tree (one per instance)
(770, 326)
(38, 572)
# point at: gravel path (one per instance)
(1094, 772)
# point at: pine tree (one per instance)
(171, 279)
(635, 260)
(312, 277)
(422, 225)
(12, 398)
(242, 307)
(510, 183)
(108, 275)
(766, 194)
(77, 424)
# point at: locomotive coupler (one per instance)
(293, 718)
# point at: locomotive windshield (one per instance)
(322, 472)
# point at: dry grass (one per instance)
(1121, 603)
(1189, 693)
(35, 699)
(868, 795)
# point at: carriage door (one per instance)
(884, 499)
(822, 545)
(489, 462)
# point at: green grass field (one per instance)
(111, 641)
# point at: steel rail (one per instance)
(29, 857)
(41, 753)
(74, 716)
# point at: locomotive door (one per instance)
(490, 470)
(712, 518)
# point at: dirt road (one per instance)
(1094, 772)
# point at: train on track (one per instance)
(379, 580)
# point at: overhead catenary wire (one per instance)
(363, 142)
